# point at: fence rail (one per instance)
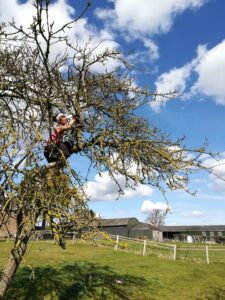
(200, 253)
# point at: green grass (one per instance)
(87, 272)
(195, 252)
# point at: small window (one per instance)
(203, 233)
(220, 233)
(211, 233)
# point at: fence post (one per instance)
(174, 252)
(117, 242)
(54, 239)
(207, 254)
(144, 248)
(73, 238)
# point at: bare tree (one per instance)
(34, 85)
(156, 217)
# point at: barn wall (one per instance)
(116, 230)
(141, 234)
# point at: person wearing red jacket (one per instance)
(57, 149)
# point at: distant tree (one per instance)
(156, 217)
(34, 84)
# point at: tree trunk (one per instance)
(9, 271)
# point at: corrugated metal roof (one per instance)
(115, 222)
(193, 228)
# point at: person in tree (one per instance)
(57, 149)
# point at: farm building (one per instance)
(146, 231)
(202, 231)
(130, 227)
(120, 226)
(8, 228)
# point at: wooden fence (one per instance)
(197, 252)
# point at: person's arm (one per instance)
(72, 122)
(66, 127)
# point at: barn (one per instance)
(130, 227)
(197, 231)
(121, 226)
(146, 231)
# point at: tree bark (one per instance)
(9, 271)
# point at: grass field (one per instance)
(87, 272)
(195, 252)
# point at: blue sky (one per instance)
(178, 44)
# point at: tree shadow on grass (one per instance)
(80, 280)
(213, 294)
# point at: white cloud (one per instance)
(176, 80)
(173, 81)
(20, 12)
(61, 12)
(211, 74)
(197, 213)
(141, 19)
(148, 206)
(217, 177)
(153, 48)
(105, 189)
(193, 214)
(208, 65)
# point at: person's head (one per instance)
(61, 119)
